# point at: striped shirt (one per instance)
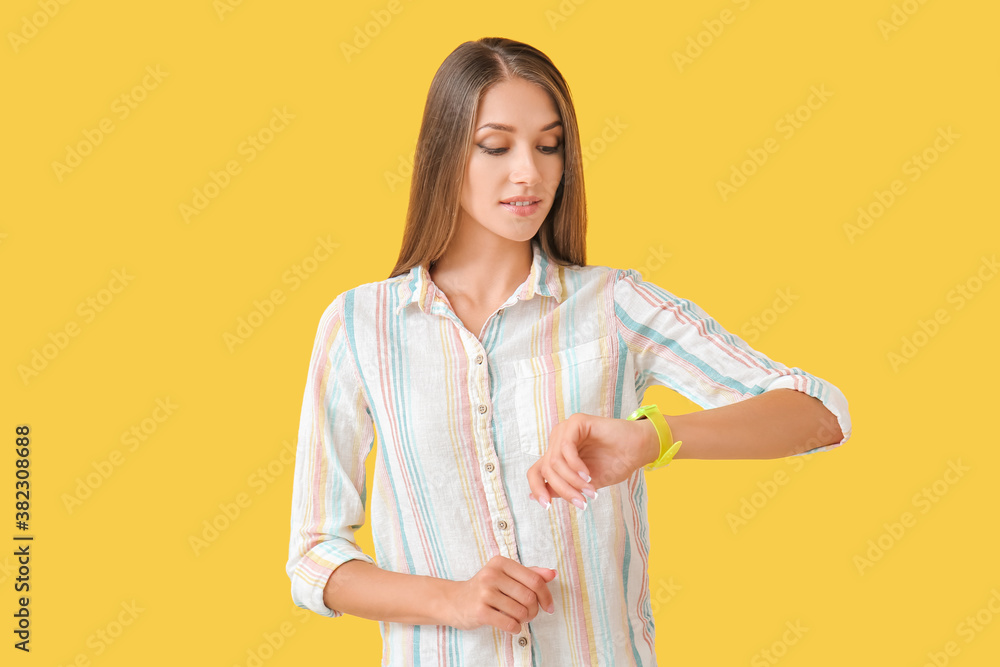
(461, 419)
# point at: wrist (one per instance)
(441, 601)
(650, 449)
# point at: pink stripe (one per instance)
(383, 354)
(318, 467)
(480, 504)
(714, 339)
(663, 351)
(634, 482)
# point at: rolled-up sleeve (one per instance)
(676, 344)
(336, 433)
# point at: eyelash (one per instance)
(550, 150)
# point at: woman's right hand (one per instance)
(503, 594)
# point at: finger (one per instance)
(564, 458)
(574, 479)
(538, 487)
(571, 456)
(524, 597)
(501, 621)
(533, 581)
(561, 488)
(510, 605)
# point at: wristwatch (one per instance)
(667, 445)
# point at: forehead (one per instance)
(520, 104)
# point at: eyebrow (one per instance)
(510, 128)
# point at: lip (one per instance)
(525, 198)
(522, 211)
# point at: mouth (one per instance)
(521, 206)
(520, 201)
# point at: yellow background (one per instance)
(651, 190)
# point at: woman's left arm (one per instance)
(775, 424)
(754, 407)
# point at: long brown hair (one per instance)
(445, 143)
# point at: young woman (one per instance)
(499, 372)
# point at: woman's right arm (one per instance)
(329, 573)
(503, 594)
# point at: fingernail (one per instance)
(552, 610)
(590, 493)
(586, 478)
(579, 503)
(547, 505)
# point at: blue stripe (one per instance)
(695, 312)
(628, 608)
(348, 324)
(401, 380)
(677, 349)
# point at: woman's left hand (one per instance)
(587, 452)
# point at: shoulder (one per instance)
(364, 298)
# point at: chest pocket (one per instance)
(551, 387)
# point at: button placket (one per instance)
(479, 390)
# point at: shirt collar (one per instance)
(544, 278)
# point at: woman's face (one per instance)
(517, 156)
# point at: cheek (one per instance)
(480, 178)
(554, 172)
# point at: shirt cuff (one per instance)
(834, 401)
(310, 574)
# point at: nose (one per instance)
(525, 170)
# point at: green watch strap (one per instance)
(667, 445)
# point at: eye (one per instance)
(548, 150)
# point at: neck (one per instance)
(482, 270)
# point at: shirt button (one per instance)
(489, 467)
(523, 641)
(501, 524)
(479, 358)
(482, 409)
